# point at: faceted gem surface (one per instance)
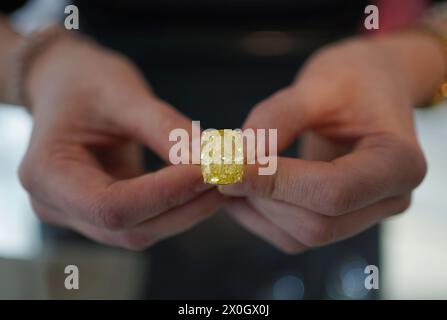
(222, 156)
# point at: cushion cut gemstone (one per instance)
(222, 156)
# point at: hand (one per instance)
(360, 157)
(83, 169)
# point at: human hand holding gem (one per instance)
(83, 167)
(353, 105)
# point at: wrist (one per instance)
(40, 63)
(10, 41)
(31, 55)
(418, 58)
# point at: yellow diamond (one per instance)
(222, 156)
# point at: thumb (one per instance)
(284, 111)
(150, 121)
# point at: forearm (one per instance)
(8, 44)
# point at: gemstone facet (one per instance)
(222, 156)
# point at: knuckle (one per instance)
(402, 205)
(41, 213)
(25, 176)
(113, 220)
(291, 248)
(336, 199)
(320, 232)
(412, 163)
(419, 165)
(136, 241)
(107, 216)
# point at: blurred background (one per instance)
(412, 245)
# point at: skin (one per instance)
(352, 104)
(83, 168)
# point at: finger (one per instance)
(313, 229)
(184, 217)
(303, 105)
(269, 114)
(150, 122)
(169, 223)
(254, 222)
(380, 167)
(121, 162)
(82, 188)
(316, 147)
(147, 233)
(131, 201)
